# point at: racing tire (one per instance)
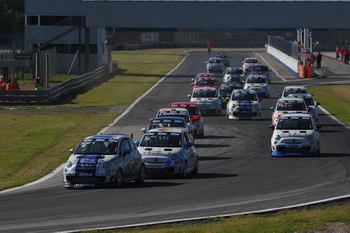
(119, 178)
(142, 174)
(196, 168)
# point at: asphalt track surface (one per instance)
(237, 173)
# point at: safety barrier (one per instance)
(54, 93)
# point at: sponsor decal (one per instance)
(87, 165)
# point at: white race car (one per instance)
(295, 134)
(259, 84)
(293, 90)
(207, 99)
(287, 105)
(104, 159)
(215, 65)
(177, 112)
(248, 63)
(243, 104)
(310, 103)
(168, 151)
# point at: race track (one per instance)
(237, 173)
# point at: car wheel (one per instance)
(142, 174)
(196, 168)
(119, 178)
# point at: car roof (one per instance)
(169, 118)
(184, 103)
(294, 87)
(286, 115)
(304, 95)
(243, 90)
(171, 130)
(207, 77)
(230, 84)
(107, 136)
(205, 88)
(287, 99)
(179, 109)
(256, 76)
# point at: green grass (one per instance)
(334, 98)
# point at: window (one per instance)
(32, 20)
(125, 146)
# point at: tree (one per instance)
(11, 16)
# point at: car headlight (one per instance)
(106, 165)
(277, 137)
(108, 172)
(174, 156)
(69, 164)
(310, 138)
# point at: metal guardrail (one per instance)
(54, 93)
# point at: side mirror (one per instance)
(137, 143)
(318, 103)
(126, 152)
(189, 144)
(272, 127)
(143, 130)
(71, 150)
(261, 99)
(318, 126)
(272, 108)
(192, 84)
(189, 96)
(279, 94)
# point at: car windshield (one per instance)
(291, 106)
(204, 93)
(192, 109)
(244, 96)
(234, 71)
(260, 68)
(215, 61)
(251, 61)
(97, 146)
(234, 78)
(309, 101)
(162, 139)
(224, 89)
(294, 91)
(182, 114)
(294, 123)
(256, 80)
(167, 123)
(206, 81)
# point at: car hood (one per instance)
(158, 151)
(293, 133)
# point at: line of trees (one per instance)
(11, 16)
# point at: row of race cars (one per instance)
(167, 146)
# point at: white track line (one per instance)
(275, 71)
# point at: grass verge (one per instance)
(333, 217)
(334, 98)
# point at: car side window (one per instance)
(132, 145)
(125, 146)
(186, 138)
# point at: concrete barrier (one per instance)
(289, 62)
